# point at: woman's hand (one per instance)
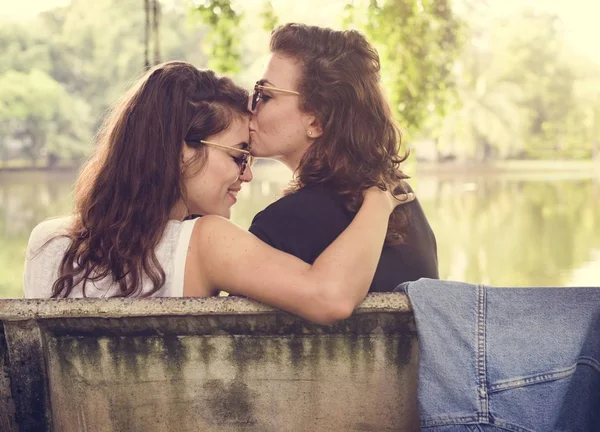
(388, 198)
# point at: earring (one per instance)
(309, 133)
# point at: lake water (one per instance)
(504, 230)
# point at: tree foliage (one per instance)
(60, 73)
(38, 111)
(523, 93)
(223, 42)
(479, 87)
(418, 42)
(269, 16)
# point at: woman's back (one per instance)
(47, 247)
(305, 222)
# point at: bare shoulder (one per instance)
(213, 225)
(224, 254)
(218, 243)
(216, 234)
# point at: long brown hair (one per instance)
(340, 85)
(126, 191)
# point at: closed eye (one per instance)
(245, 159)
(240, 160)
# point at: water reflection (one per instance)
(515, 233)
(491, 229)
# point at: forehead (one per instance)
(236, 133)
(282, 71)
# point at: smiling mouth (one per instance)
(233, 193)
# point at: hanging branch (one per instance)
(151, 35)
(420, 38)
(269, 17)
(155, 22)
(147, 35)
(223, 41)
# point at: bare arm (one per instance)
(236, 261)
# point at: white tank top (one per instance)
(42, 262)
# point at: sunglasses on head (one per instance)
(258, 92)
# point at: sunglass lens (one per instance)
(255, 98)
(247, 160)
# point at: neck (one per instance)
(291, 164)
(292, 160)
(179, 211)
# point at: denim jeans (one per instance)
(507, 359)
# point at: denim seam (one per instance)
(533, 379)
(441, 421)
(543, 377)
(589, 361)
(473, 421)
(482, 395)
(510, 426)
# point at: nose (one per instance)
(252, 122)
(248, 174)
(250, 104)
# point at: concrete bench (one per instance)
(210, 364)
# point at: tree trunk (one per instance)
(147, 35)
(156, 19)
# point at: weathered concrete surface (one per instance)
(7, 406)
(217, 364)
(26, 356)
(15, 310)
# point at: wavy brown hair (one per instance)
(127, 190)
(340, 85)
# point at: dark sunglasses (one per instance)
(258, 93)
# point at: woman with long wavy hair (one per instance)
(177, 144)
(320, 110)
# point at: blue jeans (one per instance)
(507, 359)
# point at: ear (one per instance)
(312, 126)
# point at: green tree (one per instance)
(418, 42)
(38, 111)
(84, 55)
(583, 127)
(97, 49)
(22, 48)
(521, 92)
(487, 123)
(486, 126)
(537, 64)
(223, 41)
(269, 17)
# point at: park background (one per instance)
(498, 100)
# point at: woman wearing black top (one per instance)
(320, 110)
